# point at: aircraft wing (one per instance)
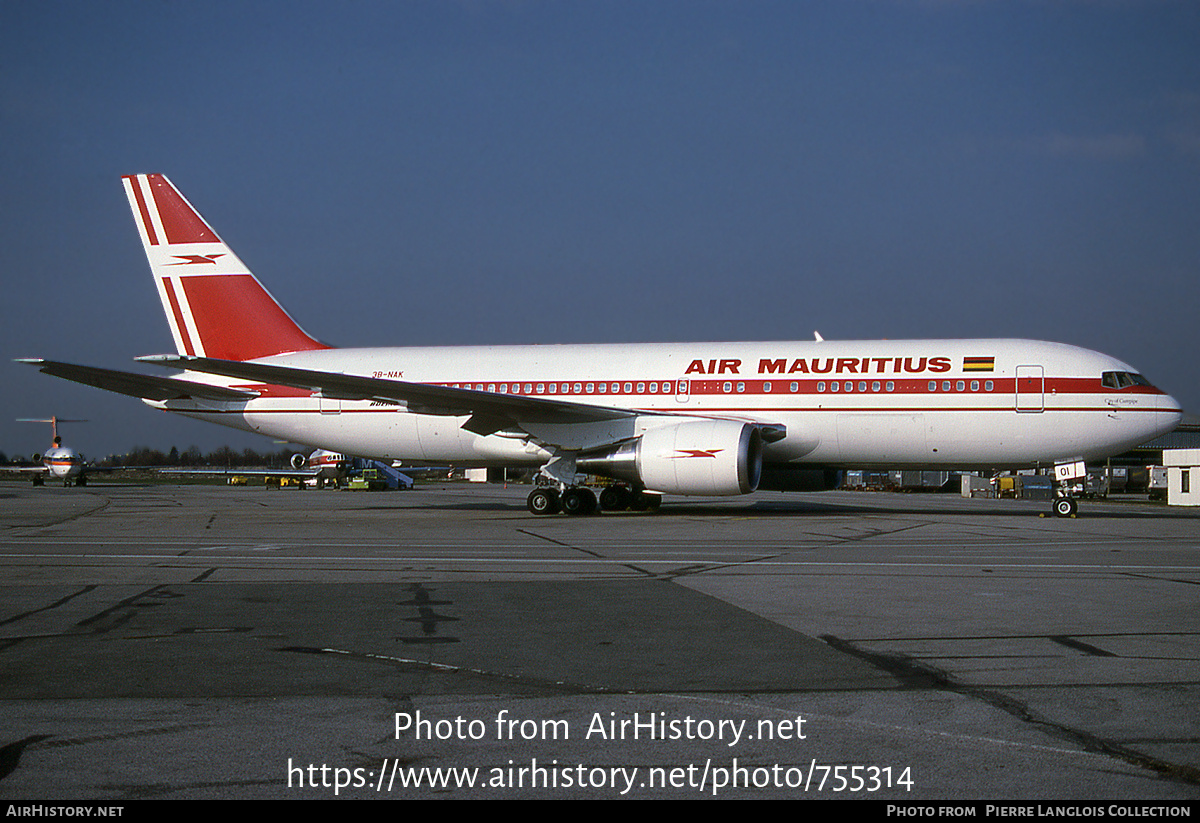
(145, 386)
(489, 412)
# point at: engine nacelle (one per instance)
(299, 461)
(698, 457)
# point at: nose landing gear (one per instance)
(1065, 507)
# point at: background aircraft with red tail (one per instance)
(58, 462)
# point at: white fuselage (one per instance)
(63, 463)
(929, 403)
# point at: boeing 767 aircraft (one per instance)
(663, 418)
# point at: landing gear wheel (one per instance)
(578, 501)
(1065, 507)
(543, 501)
(615, 498)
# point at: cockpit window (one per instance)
(1122, 380)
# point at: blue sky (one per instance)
(435, 173)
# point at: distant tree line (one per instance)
(224, 456)
(146, 456)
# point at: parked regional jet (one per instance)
(58, 461)
(324, 467)
(687, 418)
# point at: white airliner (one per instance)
(322, 466)
(58, 461)
(681, 418)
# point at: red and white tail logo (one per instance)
(214, 305)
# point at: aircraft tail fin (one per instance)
(215, 306)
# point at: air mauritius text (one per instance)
(602, 726)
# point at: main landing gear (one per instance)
(574, 501)
(580, 500)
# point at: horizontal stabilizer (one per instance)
(145, 386)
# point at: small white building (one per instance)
(1183, 476)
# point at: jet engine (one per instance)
(299, 461)
(698, 457)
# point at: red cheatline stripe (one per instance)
(723, 411)
(177, 314)
(141, 202)
(782, 387)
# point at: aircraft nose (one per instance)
(1170, 413)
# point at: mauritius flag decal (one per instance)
(979, 364)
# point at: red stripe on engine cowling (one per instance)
(238, 320)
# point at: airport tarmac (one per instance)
(217, 642)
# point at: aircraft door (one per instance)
(681, 391)
(1031, 389)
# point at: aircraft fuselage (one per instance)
(918, 403)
